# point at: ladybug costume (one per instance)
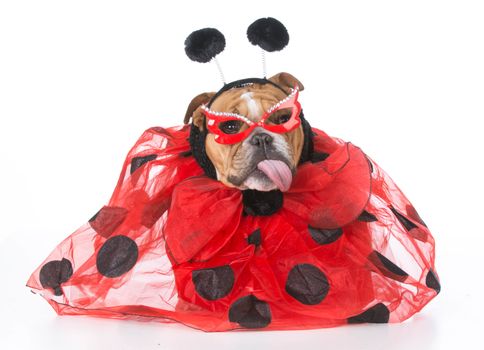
(342, 245)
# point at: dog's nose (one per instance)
(261, 140)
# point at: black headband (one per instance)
(241, 83)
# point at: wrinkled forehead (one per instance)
(251, 101)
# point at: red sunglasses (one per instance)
(228, 127)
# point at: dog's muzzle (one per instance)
(266, 161)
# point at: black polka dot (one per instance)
(432, 282)
(367, 217)
(387, 267)
(318, 157)
(255, 237)
(261, 203)
(54, 273)
(378, 313)
(117, 256)
(107, 220)
(412, 212)
(307, 284)
(250, 312)
(213, 283)
(403, 220)
(325, 236)
(94, 217)
(137, 162)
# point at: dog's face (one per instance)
(264, 160)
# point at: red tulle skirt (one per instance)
(174, 245)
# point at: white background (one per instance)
(81, 80)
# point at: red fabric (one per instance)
(346, 247)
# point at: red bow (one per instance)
(204, 213)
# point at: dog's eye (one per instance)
(283, 118)
(231, 126)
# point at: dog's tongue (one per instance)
(278, 172)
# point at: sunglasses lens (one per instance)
(231, 126)
(280, 116)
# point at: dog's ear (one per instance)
(286, 81)
(194, 110)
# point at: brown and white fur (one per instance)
(236, 164)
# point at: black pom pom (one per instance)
(204, 44)
(268, 33)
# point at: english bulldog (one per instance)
(241, 136)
